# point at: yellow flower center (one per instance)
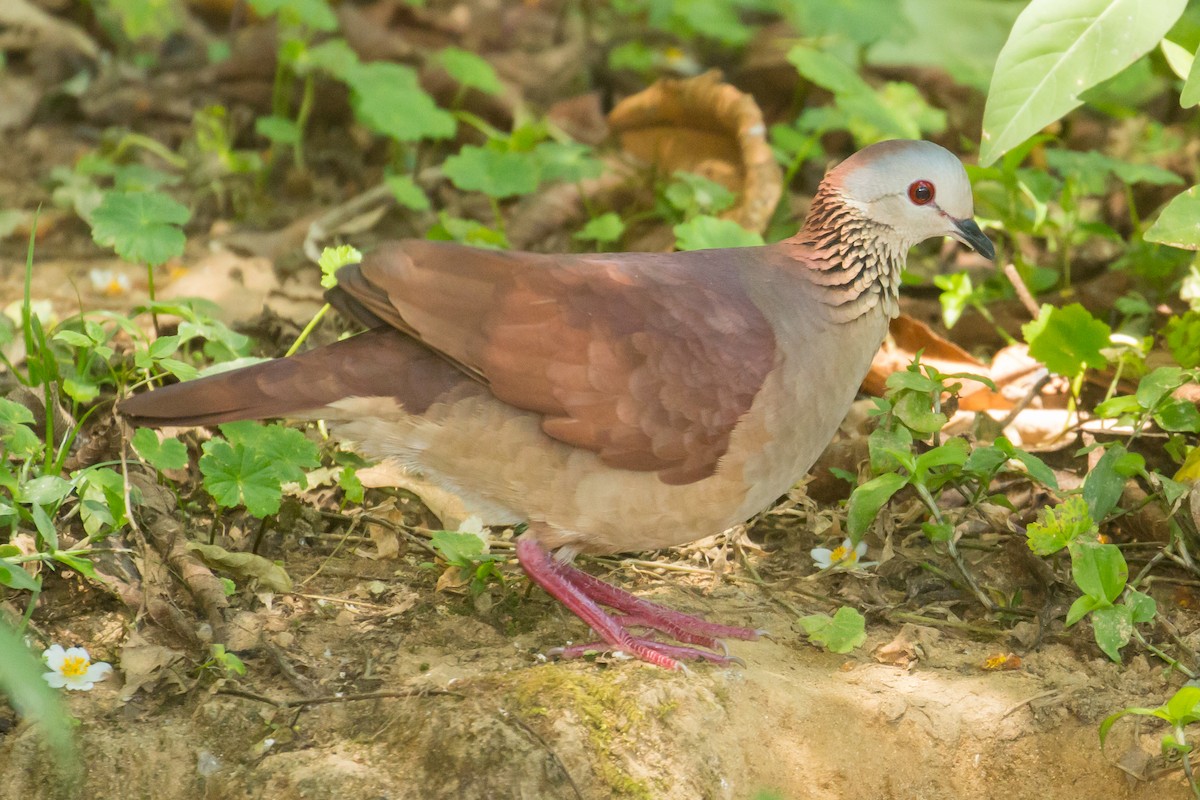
(74, 666)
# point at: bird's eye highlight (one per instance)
(921, 192)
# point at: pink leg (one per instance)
(582, 594)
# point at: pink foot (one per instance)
(583, 594)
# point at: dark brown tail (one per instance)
(382, 362)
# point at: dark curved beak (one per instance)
(970, 235)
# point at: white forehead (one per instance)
(889, 168)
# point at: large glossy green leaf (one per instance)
(1058, 49)
(1178, 224)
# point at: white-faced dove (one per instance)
(612, 402)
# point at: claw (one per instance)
(583, 595)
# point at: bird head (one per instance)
(918, 189)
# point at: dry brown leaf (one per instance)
(705, 126)
(907, 648)
(907, 336)
(238, 285)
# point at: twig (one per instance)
(1029, 397)
(335, 698)
(1023, 293)
(1028, 700)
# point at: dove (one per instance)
(612, 402)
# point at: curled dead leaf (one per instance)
(908, 336)
(709, 127)
(244, 565)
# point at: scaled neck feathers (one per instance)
(854, 261)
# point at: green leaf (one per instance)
(1178, 224)
(313, 14)
(867, 499)
(288, 450)
(15, 577)
(705, 233)
(605, 229)
(1092, 167)
(841, 633)
(1067, 340)
(102, 499)
(406, 192)
(871, 115)
(1107, 724)
(1190, 95)
(388, 99)
(334, 56)
(350, 483)
(1057, 49)
(952, 453)
(1182, 335)
(334, 258)
(47, 533)
(1178, 415)
(496, 173)
(1099, 570)
(460, 549)
(569, 162)
(1036, 468)
(240, 476)
(15, 433)
(970, 35)
(1184, 706)
(280, 130)
(21, 681)
(79, 563)
(46, 490)
(915, 410)
(469, 69)
(957, 294)
(1152, 388)
(1178, 58)
(162, 455)
(1057, 527)
(466, 231)
(890, 448)
(142, 227)
(1142, 607)
(1103, 486)
(1112, 628)
(1082, 606)
(694, 194)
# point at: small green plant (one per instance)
(1098, 568)
(911, 412)
(840, 633)
(464, 551)
(1180, 711)
(251, 464)
(1154, 401)
(221, 663)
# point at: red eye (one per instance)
(921, 192)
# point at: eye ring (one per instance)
(921, 192)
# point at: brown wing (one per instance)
(648, 360)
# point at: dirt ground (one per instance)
(367, 682)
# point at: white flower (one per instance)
(844, 557)
(110, 283)
(73, 668)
